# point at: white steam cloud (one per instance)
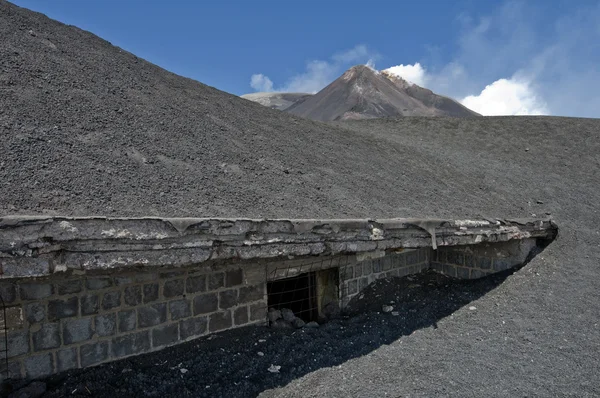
(414, 74)
(260, 82)
(318, 73)
(506, 97)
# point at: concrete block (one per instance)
(171, 274)
(450, 270)
(476, 274)
(234, 278)
(228, 299)
(362, 283)
(126, 321)
(145, 276)
(386, 263)
(111, 300)
(134, 343)
(240, 315)
(455, 258)
(124, 280)
(367, 267)
(258, 312)
(219, 321)
(35, 312)
(252, 293)
(14, 371)
(38, 365)
(180, 309)
(8, 292)
(165, 335)
(195, 284)
(376, 265)
(47, 337)
(463, 273)
(66, 359)
(69, 286)
(18, 343)
(58, 309)
(13, 319)
(76, 330)
(150, 292)
(132, 295)
(484, 263)
(91, 354)
(35, 291)
(502, 264)
(205, 303)
(192, 327)
(358, 270)
(106, 324)
(411, 257)
(98, 283)
(89, 304)
(470, 261)
(346, 272)
(216, 281)
(353, 286)
(173, 288)
(152, 315)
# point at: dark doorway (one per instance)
(298, 293)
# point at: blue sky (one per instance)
(497, 57)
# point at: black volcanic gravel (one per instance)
(86, 128)
(229, 364)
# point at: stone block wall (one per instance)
(72, 321)
(60, 323)
(355, 277)
(477, 261)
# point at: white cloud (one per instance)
(260, 82)
(318, 73)
(506, 97)
(415, 74)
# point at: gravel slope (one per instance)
(86, 128)
(538, 333)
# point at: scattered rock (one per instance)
(312, 325)
(260, 354)
(387, 308)
(298, 323)
(288, 315)
(395, 313)
(262, 340)
(331, 310)
(472, 308)
(273, 315)
(281, 324)
(274, 368)
(183, 370)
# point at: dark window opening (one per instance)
(298, 293)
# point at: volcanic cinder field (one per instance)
(89, 129)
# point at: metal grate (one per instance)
(310, 289)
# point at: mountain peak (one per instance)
(364, 93)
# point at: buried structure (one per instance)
(77, 292)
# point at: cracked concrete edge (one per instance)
(32, 246)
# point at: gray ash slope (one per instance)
(137, 140)
(363, 93)
(538, 333)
